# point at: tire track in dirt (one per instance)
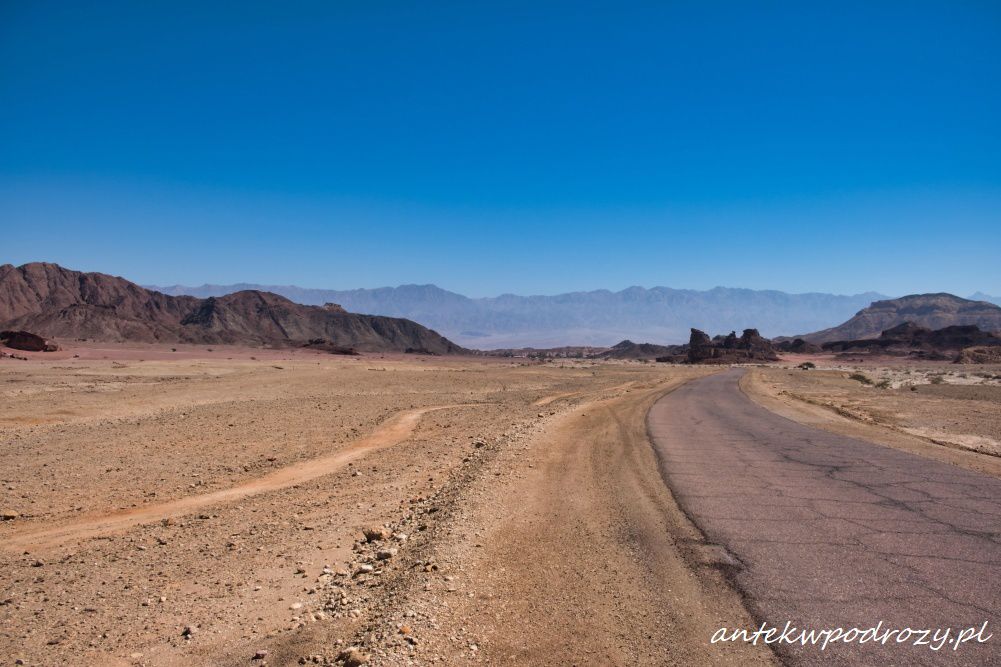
(546, 400)
(576, 531)
(393, 431)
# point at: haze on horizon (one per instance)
(507, 149)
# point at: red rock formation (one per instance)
(70, 304)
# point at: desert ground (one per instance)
(232, 506)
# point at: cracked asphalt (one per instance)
(827, 531)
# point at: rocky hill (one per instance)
(627, 349)
(929, 311)
(55, 302)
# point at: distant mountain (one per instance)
(980, 296)
(630, 350)
(55, 302)
(597, 318)
(930, 311)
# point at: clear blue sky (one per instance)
(525, 147)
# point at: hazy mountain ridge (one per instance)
(599, 317)
(980, 296)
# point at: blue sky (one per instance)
(507, 147)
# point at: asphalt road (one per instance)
(827, 531)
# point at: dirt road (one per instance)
(829, 531)
(565, 550)
(529, 524)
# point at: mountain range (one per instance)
(52, 301)
(598, 318)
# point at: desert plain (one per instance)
(188, 505)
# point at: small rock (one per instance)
(189, 631)
(260, 655)
(353, 657)
(376, 533)
(364, 568)
(295, 606)
(8, 515)
(385, 554)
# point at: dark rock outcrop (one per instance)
(324, 345)
(29, 342)
(750, 346)
(909, 338)
(797, 346)
(69, 304)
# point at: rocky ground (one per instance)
(227, 506)
(197, 507)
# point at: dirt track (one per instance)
(395, 430)
(573, 552)
(270, 469)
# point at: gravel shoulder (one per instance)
(949, 423)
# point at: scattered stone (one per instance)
(353, 657)
(385, 554)
(364, 568)
(260, 655)
(374, 534)
(189, 631)
(295, 606)
(8, 515)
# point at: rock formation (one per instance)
(61, 303)
(797, 346)
(979, 355)
(29, 342)
(909, 338)
(750, 346)
(627, 349)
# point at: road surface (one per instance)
(825, 531)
